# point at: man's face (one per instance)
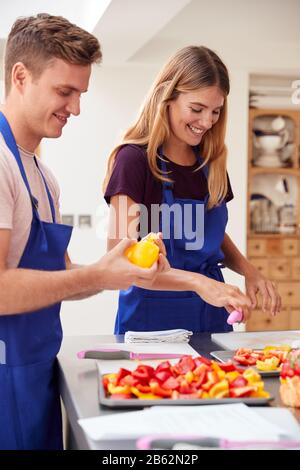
(50, 99)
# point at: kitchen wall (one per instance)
(79, 157)
(79, 161)
(251, 37)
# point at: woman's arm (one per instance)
(254, 280)
(121, 224)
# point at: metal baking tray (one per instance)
(138, 403)
(225, 356)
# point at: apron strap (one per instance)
(47, 190)
(11, 144)
(168, 197)
(10, 141)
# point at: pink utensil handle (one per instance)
(142, 356)
(234, 317)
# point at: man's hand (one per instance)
(116, 272)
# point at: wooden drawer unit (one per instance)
(294, 315)
(295, 267)
(260, 321)
(290, 247)
(279, 269)
(273, 221)
(262, 264)
(257, 247)
(274, 247)
(290, 293)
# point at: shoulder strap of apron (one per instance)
(48, 192)
(168, 196)
(205, 170)
(12, 145)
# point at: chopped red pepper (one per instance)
(163, 375)
(227, 366)
(171, 384)
(185, 364)
(165, 365)
(143, 388)
(239, 382)
(122, 373)
(241, 391)
(143, 373)
(202, 360)
(120, 396)
(185, 387)
(158, 390)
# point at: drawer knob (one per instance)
(290, 294)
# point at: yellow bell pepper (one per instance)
(111, 378)
(143, 253)
(144, 396)
(284, 347)
(118, 388)
(268, 364)
(232, 375)
(260, 394)
(219, 390)
(189, 376)
(251, 375)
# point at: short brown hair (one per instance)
(35, 40)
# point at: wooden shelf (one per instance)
(255, 170)
(276, 255)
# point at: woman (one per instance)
(175, 156)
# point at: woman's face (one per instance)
(194, 113)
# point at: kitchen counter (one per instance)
(78, 386)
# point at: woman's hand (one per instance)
(222, 295)
(256, 283)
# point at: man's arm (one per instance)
(70, 265)
(26, 290)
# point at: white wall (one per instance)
(78, 160)
(1, 90)
(260, 42)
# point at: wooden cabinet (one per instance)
(273, 210)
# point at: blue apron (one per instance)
(29, 395)
(150, 310)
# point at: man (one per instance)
(47, 67)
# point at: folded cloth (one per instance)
(163, 336)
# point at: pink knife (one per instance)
(103, 353)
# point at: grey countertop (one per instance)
(78, 386)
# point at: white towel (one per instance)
(163, 336)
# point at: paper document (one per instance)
(236, 421)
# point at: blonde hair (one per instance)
(35, 40)
(190, 69)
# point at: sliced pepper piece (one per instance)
(268, 364)
(144, 396)
(158, 390)
(112, 389)
(219, 390)
(242, 391)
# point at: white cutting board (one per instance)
(256, 339)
